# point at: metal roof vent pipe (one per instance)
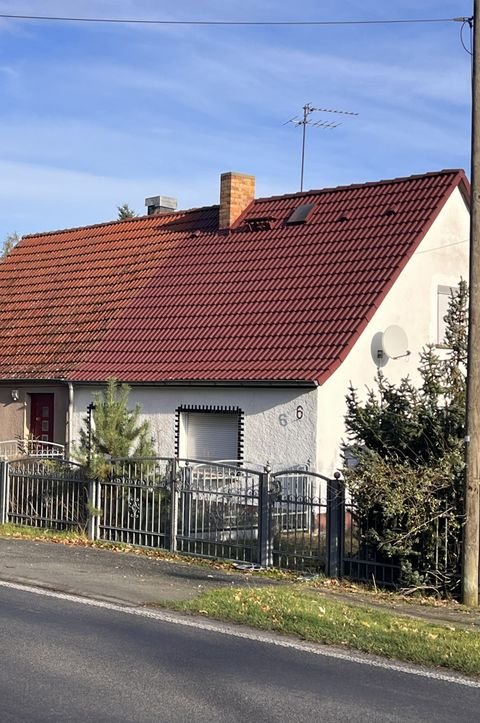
(160, 204)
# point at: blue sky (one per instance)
(94, 115)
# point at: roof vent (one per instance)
(160, 204)
(391, 211)
(344, 216)
(300, 214)
(260, 223)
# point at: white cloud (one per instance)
(43, 198)
(96, 115)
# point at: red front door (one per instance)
(41, 417)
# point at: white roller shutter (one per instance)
(444, 294)
(211, 435)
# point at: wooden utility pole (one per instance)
(471, 537)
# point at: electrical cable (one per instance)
(439, 248)
(138, 21)
(470, 24)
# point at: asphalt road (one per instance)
(66, 661)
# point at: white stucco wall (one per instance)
(441, 259)
(273, 429)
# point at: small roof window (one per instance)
(301, 213)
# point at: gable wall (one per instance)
(441, 259)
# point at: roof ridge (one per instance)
(364, 184)
(298, 194)
(113, 222)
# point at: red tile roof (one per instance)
(172, 298)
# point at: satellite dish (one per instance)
(395, 342)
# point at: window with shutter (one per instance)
(209, 435)
(444, 294)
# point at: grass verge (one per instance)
(315, 618)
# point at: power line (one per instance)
(138, 21)
(440, 248)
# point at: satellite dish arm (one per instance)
(400, 356)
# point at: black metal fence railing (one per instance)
(300, 506)
(193, 507)
(434, 560)
(363, 562)
(294, 519)
(218, 511)
(45, 493)
(133, 503)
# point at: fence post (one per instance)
(335, 525)
(92, 526)
(264, 526)
(4, 491)
(173, 506)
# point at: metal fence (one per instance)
(299, 520)
(362, 561)
(293, 518)
(214, 510)
(44, 493)
(435, 559)
(18, 448)
(218, 511)
(132, 504)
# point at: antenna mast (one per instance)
(308, 109)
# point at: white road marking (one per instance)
(223, 629)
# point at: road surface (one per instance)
(64, 660)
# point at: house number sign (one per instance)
(283, 418)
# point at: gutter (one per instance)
(303, 383)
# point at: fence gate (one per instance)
(218, 511)
(48, 493)
(305, 521)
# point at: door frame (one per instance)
(42, 400)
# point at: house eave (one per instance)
(293, 383)
(302, 383)
(28, 380)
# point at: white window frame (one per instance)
(444, 294)
(233, 449)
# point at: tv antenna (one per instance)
(308, 109)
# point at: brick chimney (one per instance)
(237, 190)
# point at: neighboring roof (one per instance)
(171, 298)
